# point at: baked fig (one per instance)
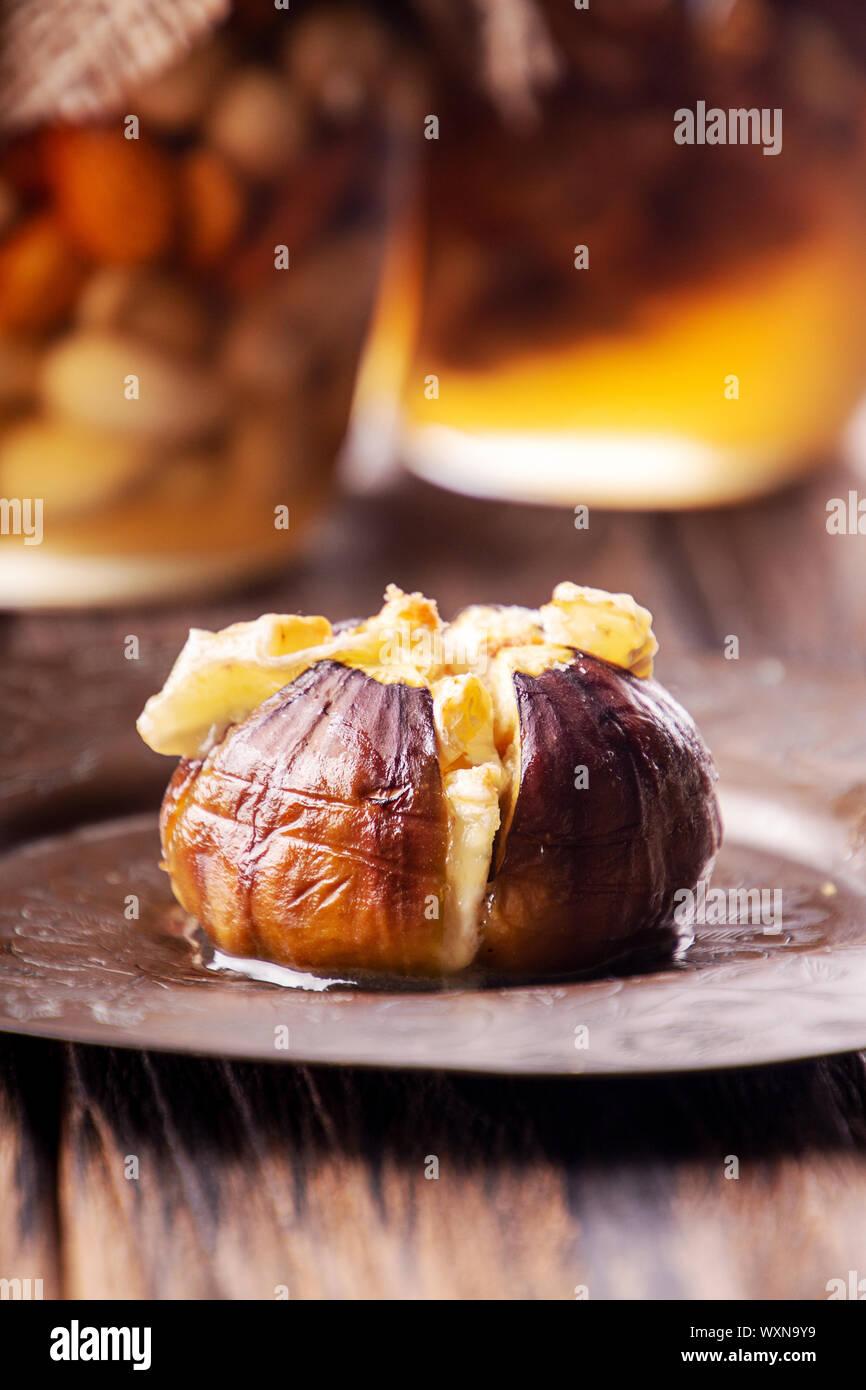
(511, 790)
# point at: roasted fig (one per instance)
(510, 790)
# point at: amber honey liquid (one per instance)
(714, 392)
(714, 344)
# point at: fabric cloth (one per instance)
(76, 61)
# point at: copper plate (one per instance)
(792, 757)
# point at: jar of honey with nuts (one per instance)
(185, 283)
(639, 275)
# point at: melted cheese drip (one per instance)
(473, 777)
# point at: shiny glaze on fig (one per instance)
(315, 833)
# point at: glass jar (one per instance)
(609, 305)
(184, 290)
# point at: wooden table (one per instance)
(257, 1180)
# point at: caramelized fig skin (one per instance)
(315, 833)
(589, 871)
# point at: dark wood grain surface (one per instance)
(253, 1181)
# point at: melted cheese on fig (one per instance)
(480, 631)
(611, 626)
(472, 779)
(463, 715)
(221, 677)
(402, 644)
(472, 794)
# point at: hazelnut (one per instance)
(72, 468)
(83, 380)
(257, 124)
(400, 795)
(176, 100)
(337, 57)
(154, 305)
